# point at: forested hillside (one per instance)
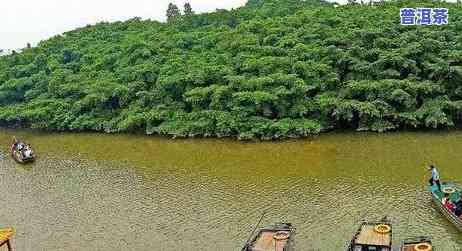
(272, 69)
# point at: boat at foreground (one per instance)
(277, 237)
(5, 235)
(17, 155)
(422, 243)
(454, 192)
(375, 236)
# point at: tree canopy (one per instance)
(271, 69)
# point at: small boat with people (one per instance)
(276, 237)
(422, 243)
(448, 201)
(22, 152)
(372, 235)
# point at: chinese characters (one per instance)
(424, 16)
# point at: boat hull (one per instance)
(16, 156)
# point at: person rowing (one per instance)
(435, 179)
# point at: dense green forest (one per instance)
(268, 70)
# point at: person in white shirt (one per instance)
(28, 153)
(20, 146)
(435, 177)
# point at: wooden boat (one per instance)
(375, 236)
(422, 243)
(5, 236)
(454, 193)
(17, 155)
(277, 237)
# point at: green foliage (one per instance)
(272, 69)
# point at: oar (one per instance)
(258, 224)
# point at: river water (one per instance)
(132, 192)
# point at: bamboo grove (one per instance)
(269, 70)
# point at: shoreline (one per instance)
(234, 138)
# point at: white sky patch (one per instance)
(30, 21)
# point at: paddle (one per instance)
(250, 237)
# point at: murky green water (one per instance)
(101, 192)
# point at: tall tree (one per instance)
(188, 11)
(173, 12)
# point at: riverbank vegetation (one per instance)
(271, 69)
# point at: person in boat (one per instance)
(445, 198)
(447, 203)
(458, 204)
(450, 206)
(435, 179)
(457, 210)
(28, 151)
(20, 146)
